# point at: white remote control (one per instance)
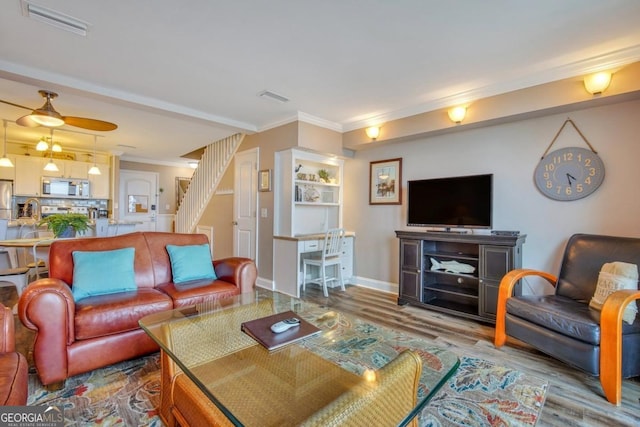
(285, 325)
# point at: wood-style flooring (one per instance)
(573, 397)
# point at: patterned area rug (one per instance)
(127, 394)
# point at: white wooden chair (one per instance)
(331, 253)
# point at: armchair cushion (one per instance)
(103, 272)
(191, 262)
(613, 277)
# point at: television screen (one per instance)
(455, 202)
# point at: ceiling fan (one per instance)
(49, 117)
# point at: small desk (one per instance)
(241, 377)
(289, 252)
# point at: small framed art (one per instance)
(385, 180)
(264, 180)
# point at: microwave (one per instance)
(65, 187)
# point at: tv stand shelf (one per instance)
(469, 294)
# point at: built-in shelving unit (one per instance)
(469, 287)
(305, 202)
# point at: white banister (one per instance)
(205, 180)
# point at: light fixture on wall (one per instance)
(5, 162)
(456, 114)
(94, 170)
(373, 132)
(193, 165)
(597, 83)
(51, 166)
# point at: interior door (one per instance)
(138, 201)
(245, 204)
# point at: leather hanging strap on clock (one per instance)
(558, 134)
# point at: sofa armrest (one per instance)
(240, 271)
(47, 306)
(8, 340)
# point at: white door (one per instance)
(138, 201)
(245, 204)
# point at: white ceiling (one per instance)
(176, 75)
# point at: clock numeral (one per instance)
(587, 162)
(549, 184)
(549, 167)
(546, 175)
(567, 191)
(592, 172)
(568, 157)
(579, 188)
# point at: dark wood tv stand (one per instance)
(473, 295)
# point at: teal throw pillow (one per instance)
(103, 272)
(191, 262)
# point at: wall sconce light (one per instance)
(597, 83)
(193, 165)
(456, 114)
(373, 132)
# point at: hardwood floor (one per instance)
(573, 398)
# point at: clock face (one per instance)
(569, 173)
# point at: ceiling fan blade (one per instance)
(91, 124)
(27, 121)
(15, 105)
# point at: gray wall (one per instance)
(511, 152)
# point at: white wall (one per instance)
(511, 152)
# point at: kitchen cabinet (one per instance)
(29, 170)
(306, 203)
(69, 169)
(28, 175)
(472, 292)
(9, 173)
(99, 184)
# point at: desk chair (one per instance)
(331, 253)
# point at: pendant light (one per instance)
(5, 162)
(94, 169)
(51, 166)
(42, 145)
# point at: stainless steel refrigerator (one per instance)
(6, 194)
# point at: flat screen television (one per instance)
(454, 202)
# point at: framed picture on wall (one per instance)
(264, 180)
(385, 180)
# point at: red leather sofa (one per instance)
(13, 365)
(75, 337)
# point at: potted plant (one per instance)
(323, 174)
(66, 225)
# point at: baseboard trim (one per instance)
(268, 284)
(379, 285)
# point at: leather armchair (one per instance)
(563, 325)
(13, 365)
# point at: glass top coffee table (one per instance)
(246, 381)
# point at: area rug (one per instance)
(128, 393)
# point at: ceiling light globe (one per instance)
(6, 162)
(94, 170)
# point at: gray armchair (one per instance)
(563, 325)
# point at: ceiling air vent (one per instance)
(274, 96)
(51, 17)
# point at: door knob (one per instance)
(234, 222)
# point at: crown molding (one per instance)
(608, 61)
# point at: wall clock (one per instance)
(569, 173)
